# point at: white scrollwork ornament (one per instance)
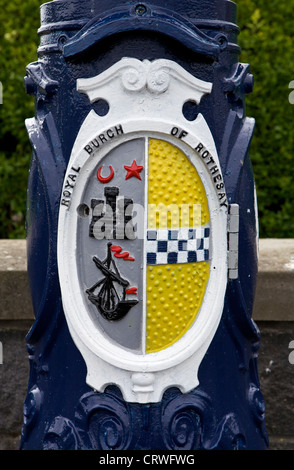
(134, 78)
(158, 79)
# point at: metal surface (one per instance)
(82, 39)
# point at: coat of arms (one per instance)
(142, 271)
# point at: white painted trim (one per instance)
(144, 246)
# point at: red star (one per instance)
(133, 170)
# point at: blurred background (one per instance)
(267, 43)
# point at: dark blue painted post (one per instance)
(141, 102)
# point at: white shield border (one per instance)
(142, 378)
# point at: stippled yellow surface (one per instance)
(174, 291)
(174, 183)
(174, 296)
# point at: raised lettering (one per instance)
(180, 133)
(72, 177)
(183, 134)
(95, 143)
(65, 202)
(68, 185)
(102, 138)
(110, 133)
(211, 160)
(199, 148)
(205, 154)
(76, 169)
(214, 170)
(119, 129)
(88, 149)
(217, 178)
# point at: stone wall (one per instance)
(273, 313)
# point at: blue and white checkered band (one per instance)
(172, 246)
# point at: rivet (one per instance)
(141, 10)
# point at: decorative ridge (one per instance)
(152, 18)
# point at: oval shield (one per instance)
(142, 240)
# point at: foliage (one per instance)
(19, 22)
(267, 45)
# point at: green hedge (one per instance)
(19, 21)
(267, 45)
(267, 42)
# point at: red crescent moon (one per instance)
(108, 178)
